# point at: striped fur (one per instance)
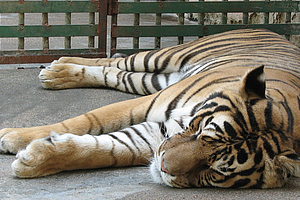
(220, 111)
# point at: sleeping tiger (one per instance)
(221, 111)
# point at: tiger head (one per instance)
(236, 139)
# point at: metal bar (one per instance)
(180, 22)
(68, 38)
(42, 57)
(245, 15)
(224, 15)
(46, 24)
(208, 7)
(157, 23)
(21, 26)
(201, 18)
(266, 16)
(91, 39)
(288, 20)
(198, 30)
(49, 7)
(114, 23)
(136, 22)
(102, 26)
(48, 31)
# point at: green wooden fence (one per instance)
(199, 29)
(100, 10)
(47, 30)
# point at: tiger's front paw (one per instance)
(62, 76)
(43, 157)
(13, 139)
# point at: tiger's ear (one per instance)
(288, 163)
(254, 85)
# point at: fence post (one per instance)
(102, 27)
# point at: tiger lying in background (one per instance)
(221, 111)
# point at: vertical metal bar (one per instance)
(201, 18)
(45, 39)
(68, 38)
(91, 39)
(266, 16)
(157, 23)
(224, 16)
(180, 22)
(113, 41)
(245, 16)
(21, 39)
(21, 23)
(288, 20)
(102, 26)
(136, 22)
(46, 24)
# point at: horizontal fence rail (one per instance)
(48, 6)
(201, 28)
(46, 31)
(208, 7)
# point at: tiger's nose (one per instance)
(163, 168)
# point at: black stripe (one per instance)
(298, 98)
(144, 84)
(151, 105)
(147, 58)
(105, 76)
(241, 183)
(268, 148)
(125, 63)
(132, 85)
(143, 138)
(118, 63)
(128, 134)
(230, 130)
(268, 115)
(124, 81)
(125, 144)
(101, 131)
(155, 82)
(112, 155)
(132, 59)
(258, 156)
(91, 124)
(252, 119)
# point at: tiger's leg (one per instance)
(66, 75)
(166, 60)
(106, 119)
(131, 146)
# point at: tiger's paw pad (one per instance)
(41, 157)
(61, 76)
